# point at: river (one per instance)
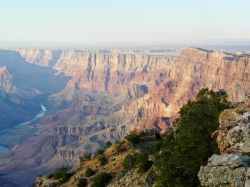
(34, 119)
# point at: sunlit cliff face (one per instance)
(168, 81)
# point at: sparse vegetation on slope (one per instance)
(101, 180)
(82, 182)
(62, 175)
(117, 162)
(89, 172)
(152, 159)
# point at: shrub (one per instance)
(120, 148)
(183, 154)
(101, 180)
(129, 162)
(156, 147)
(100, 152)
(82, 182)
(143, 163)
(62, 174)
(49, 176)
(158, 137)
(85, 157)
(133, 138)
(108, 143)
(103, 160)
(240, 111)
(89, 172)
(137, 160)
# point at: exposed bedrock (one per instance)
(232, 167)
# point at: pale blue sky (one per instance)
(92, 21)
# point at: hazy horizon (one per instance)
(100, 22)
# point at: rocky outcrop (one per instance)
(226, 170)
(6, 84)
(133, 178)
(234, 131)
(45, 182)
(232, 167)
(41, 57)
(69, 130)
(70, 154)
(137, 91)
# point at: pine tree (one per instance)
(182, 154)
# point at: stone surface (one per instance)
(232, 167)
(230, 160)
(223, 176)
(6, 84)
(45, 182)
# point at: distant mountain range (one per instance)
(222, 44)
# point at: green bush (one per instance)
(103, 160)
(129, 162)
(120, 148)
(182, 154)
(101, 180)
(156, 147)
(108, 144)
(61, 174)
(240, 111)
(158, 137)
(133, 138)
(100, 152)
(82, 182)
(89, 172)
(85, 157)
(143, 163)
(137, 160)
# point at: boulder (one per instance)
(232, 167)
(225, 170)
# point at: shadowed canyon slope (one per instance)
(110, 94)
(23, 87)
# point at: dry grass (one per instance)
(114, 165)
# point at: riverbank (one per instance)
(18, 131)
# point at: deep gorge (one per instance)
(97, 97)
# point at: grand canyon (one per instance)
(128, 93)
(59, 105)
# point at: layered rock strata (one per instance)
(109, 94)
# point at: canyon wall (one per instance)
(110, 94)
(14, 108)
(137, 91)
(172, 80)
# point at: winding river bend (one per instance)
(34, 119)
